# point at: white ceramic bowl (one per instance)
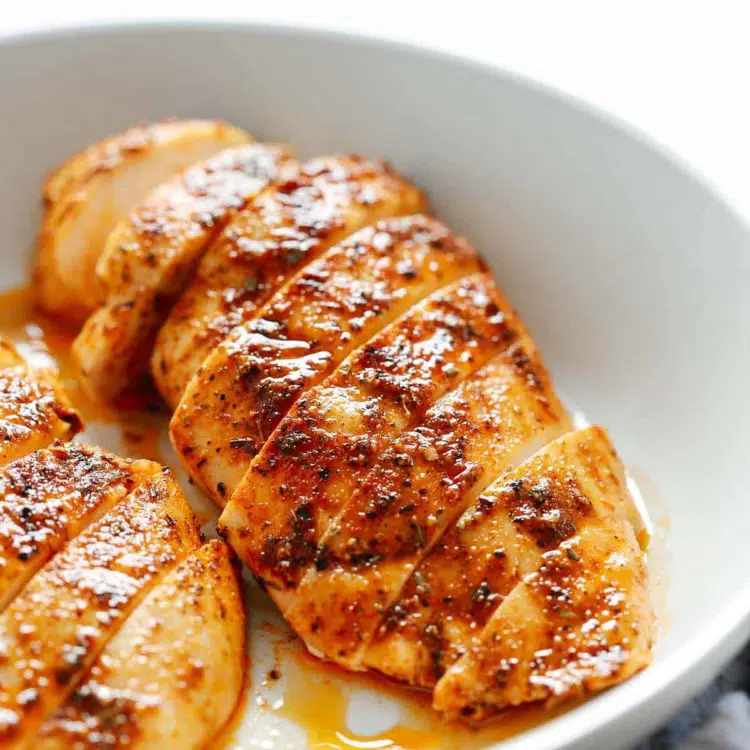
(633, 277)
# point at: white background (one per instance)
(678, 71)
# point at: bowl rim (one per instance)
(730, 625)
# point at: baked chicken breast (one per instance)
(334, 305)
(315, 459)
(172, 675)
(289, 224)
(88, 194)
(385, 517)
(349, 382)
(151, 254)
(57, 626)
(497, 417)
(566, 607)
(34, 409)
(49, 497)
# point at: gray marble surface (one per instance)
(718, 719)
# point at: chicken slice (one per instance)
(482, 557)
(54, 630)
(537, 592)
(150, 256)
(49, 497)
(311, 465)
(34, 409)
(496, 418)
(180, 136)
(571, 628)
(334, 305)
(172, 675)
(88, 194)
(286, 226)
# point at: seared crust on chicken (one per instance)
(34, 409)
(88, 194)
(172, 675)
(537, 593)
(572, 627)
(150, 256)
(334, 305)
(499, 540)
(496, 418)
(286, 226)
(58, 625)
(311, 465)
(48, 497)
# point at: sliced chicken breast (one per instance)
(496, 418)
(88, 194)
(49, 497)
(140, 140)
(573, 627)
(286, 226)
(54, 630)
(34, 409)
(151, 255)
(334, 305)
(538, 591)
(498, 541)
(313, 462)
(172, 675)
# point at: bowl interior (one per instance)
(632, 277)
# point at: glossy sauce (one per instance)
(317, 697)
(45, 342)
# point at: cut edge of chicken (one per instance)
(495, 419)
(151, 255)
(91, 191)
(173, 674)
(90, 586)
(108, 152)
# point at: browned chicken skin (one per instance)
(34, 409)
(286, 226)
(334, 305)
(150, 256)
(310, 466)
(172, 675)
(56, 627)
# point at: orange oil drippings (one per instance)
(316, 699)
(46, 342)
